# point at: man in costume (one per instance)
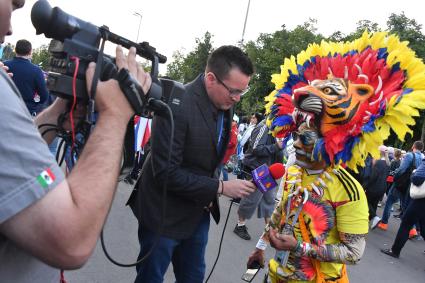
(338, 101)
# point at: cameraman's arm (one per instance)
(62, 228)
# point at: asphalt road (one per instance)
(121, 240)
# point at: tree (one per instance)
(187, 68)
(411, 31)
(41, 56)
(175, 68)
(268, 53)
(362, 25)
(8, 52)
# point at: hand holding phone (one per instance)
(252, 270)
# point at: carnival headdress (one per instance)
(355, 92)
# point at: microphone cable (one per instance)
(221, 241)
(164, 196)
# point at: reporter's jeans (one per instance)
(187, 256)
(393, 197)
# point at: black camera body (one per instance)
(76, 41)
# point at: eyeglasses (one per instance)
(306, 138)
(232, 92)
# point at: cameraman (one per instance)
(48, 221)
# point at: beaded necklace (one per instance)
(315, 188)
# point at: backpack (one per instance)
(402, 182)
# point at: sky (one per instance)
(174, 25)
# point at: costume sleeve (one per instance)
(352, 225)
(348, 251)
(28, 171)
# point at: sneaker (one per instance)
(375, 221)
(242, 232)
(390, 253)
(398, 215)
(382, 226)
(379, 204)
(413, 233)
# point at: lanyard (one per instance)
(220, 128)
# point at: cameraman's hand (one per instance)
(238, 188)
(133, 67)
(6, 69)
(109, 97)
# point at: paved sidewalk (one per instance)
(121, 241)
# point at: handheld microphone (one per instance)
(265, 177)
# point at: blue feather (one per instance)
(382, 53)
(395, 67)
(282, 121)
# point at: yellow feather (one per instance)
(416, 81)
(376, 39)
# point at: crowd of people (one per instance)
(317, 219)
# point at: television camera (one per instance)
(75, 43)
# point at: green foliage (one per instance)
(409, 30)
(360, 29)
(269, 50)
(187, 68)
(41, 56)
(267, 54)
(8, 52)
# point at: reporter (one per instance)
(48, 221)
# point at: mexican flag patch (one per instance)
(46, 178)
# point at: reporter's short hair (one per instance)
(23, 47)
(226, 57)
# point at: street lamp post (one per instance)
(244, 25)
(140, 21)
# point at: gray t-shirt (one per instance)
(28, 171)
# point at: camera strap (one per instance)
(132, 90)
(91, 115)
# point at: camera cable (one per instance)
(164, 196)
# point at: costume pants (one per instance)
(414, 213)
(187, 255)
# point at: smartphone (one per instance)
(250, 274)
